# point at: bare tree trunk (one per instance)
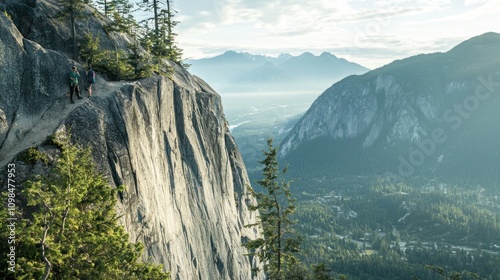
(61, 232)
(279, 237)
(279, 252)
(68, 205)
(48, 265)
(169, 17)
(73, 30)
(155, 8)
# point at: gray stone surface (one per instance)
(40, 21)
(168, 143)
(165, 139)
(32, 79)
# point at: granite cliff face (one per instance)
(431, 115)
(165, 139)
(186, 199)
(39, 21)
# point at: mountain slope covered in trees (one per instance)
(431, 114)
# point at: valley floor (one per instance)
(373, 228)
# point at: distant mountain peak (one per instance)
(327, 55)
(269, 64)
(489, 38)
(284, 55)
(230, 52)
(307, 54)
(235, 70)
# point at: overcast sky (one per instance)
(372, 33)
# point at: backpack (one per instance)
(91, 76)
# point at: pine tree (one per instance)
(106, 6)
(69, 227)
(168, 22)
(279, 242)
(123, 20)
(161, 35)
(453, 275)
(138, 59)
(72, 9)
(321, 272)
(90, 49)
(118, 66)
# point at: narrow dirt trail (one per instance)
(25, 132)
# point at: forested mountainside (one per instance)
(431, 114)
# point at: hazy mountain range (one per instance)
(432, 114)
(233, 72)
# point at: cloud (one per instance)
(340, 10)
(473, 11)
(475, 2)
(287, 17)
(392, 28)
(281, 14)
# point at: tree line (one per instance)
(400, 230)
(153, 38)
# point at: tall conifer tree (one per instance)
(69, 229)
(279, 241)
(72, 9)
(162, 35)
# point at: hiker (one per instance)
(90, 74)
(73, 83)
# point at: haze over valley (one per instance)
(264, 96)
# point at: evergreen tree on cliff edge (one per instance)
(279, 242)
(72, 9)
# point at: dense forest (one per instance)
(376, 228)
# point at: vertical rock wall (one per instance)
(168, 143)
(165, 139)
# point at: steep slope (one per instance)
(32, 79)
(186, 198)
(433, 115)
(165, 140)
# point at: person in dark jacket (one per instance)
(90, 74)
(73, 84)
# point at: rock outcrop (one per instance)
(165, 139)
(40, 21)
(186, 199)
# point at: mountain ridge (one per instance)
(244, 72)
(374, 122)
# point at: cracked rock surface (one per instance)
(165, 139)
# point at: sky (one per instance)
(371, 33)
